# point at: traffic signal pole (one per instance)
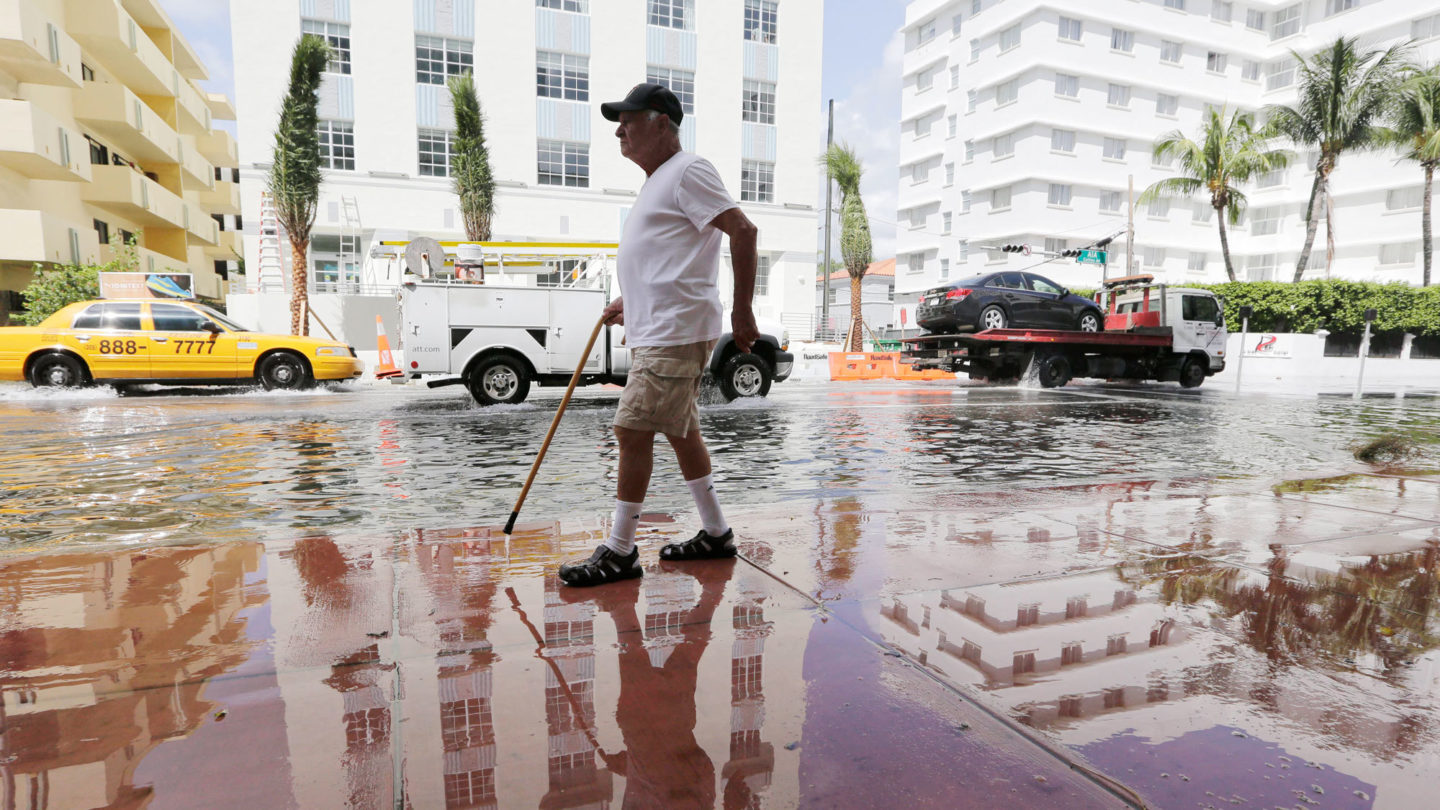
(829, 185)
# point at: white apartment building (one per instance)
(1023, 120)
(746, 71)
(104, 131)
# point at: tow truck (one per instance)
(497, 317)
(1151, 332)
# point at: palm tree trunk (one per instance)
(1224, 242)
(857, 324)
(299, 292)
(1329, 233)
(1310, 227)
(1425, 224)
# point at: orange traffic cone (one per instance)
(387, 367)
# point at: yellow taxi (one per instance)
(114, 342)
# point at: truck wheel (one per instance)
(283, 371)
(1053, 370)
(745, 375)
(1089, 321)
(1192, 373)
(992, 317)
(57, 370)
(499, 380)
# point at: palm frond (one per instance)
(844, 167)
(470, 172)
(295, 177)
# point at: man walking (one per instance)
(670, 308)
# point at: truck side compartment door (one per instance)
(424, 340)
(573, 313)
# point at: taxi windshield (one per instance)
(222, 319)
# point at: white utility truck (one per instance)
(498, 317)
(1151, 332)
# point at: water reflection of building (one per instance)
(105, 656)
(749, 771)
(576, 778)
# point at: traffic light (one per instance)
(1015, 248)
(1070, 253)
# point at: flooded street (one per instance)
(949, 596)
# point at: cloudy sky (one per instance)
(861, 72)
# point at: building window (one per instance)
(1110, 201)
(972, 100)
(1166, 104)
(1202, 213)
(1158, 208)
(1425, 27)
(1114, 148)
(1115, 645)
(1170, 51)
(1255, 20)
(87, 73)
(337, 145)
(1270, 179)
(926, 32)
(102, 230)
(974, 50)
(955, 26)
(1262, 268)
(954, 77)
(1070, 29)
(1066, 85)
(562, 75)
(915, 263)
(1196, 263)
(762, 275)
(922, 126)
(760, 20)
(1287, 22)
(946, 220)
(1027, 615)
(99, 155)
(1060, 194)
(1152, 257)
(1071, 654)
(964, 250)
(1401, 199)
(1062, 140)
(1178, 5)
(1075, 607)
(759, 102)
(969, 151)
(337, 36)
(1333, 7)
(1022, 663)
(1222, 11)
(437, 58)
(944, 269)
(577, 6)
(1250, 70)
(1265, 221)
(1007, 92)
(1010, 38)
(1279, 74)
(952, 126)
(1000, 198)
(920, 173)
(435, 146)
(562, 163)
(680, 82)
(1119, 95)
(1122, 40)
(1003, 146)
(1215, 62)
(757, 181)
(965, 200)
(672, 13)
(949, 174)
(1403, 253)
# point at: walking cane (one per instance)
(554, 423)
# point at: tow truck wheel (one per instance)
(284, 371)
(1054, 370)
(1088, 321)
(499, 380)
(57, 371)
(1192, 373)
(745, 375)
(993, 317)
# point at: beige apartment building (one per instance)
(103, 130)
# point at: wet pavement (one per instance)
(1115, 604)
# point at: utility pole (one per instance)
(1130, 233)
(829, 186)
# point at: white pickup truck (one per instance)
(526, 322)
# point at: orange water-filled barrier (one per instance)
(879, 366)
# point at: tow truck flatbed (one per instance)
(1051, 336)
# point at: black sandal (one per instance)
(701, 547)
(602, 567)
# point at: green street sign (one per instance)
(1090, 257)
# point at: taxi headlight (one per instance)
(332, 351)
(785, 341)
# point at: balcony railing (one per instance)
(117, 113)
(34, 48)
(36, 145)
(134, 196)
(110, 35)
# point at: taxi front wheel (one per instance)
(283, 371)
(57, 371)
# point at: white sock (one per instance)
(622, 528)
(708, 504)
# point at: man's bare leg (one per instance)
(694, 461)
(637, 461)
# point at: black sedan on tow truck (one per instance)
(1009, 299)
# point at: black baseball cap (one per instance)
(655, 97)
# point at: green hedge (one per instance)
(1338, 306)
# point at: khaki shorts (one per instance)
(663, 388)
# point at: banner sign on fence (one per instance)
(1267, 345)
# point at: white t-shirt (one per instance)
(670, 255)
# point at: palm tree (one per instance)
(470, 160)
(843, 167)
(295, 171)
(1227, 155)
(1342, 94)
(1415, 130)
